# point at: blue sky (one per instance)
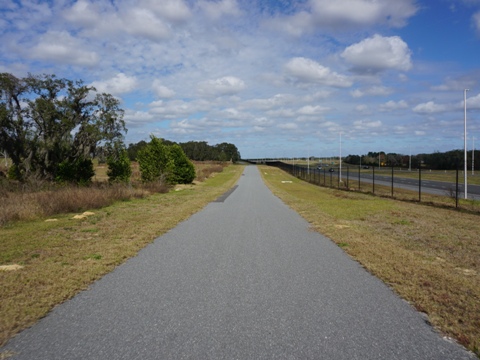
(276, 78)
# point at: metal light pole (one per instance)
(465, 142)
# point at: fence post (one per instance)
(348, 174)
(420, 183)
(359, 167)
(373, 179)
(456, 185)
(392, 181)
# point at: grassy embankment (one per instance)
(429, 255)
(57, 259)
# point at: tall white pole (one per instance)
(465, 142)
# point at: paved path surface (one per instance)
(242, 279)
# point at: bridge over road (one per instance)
(244, 278)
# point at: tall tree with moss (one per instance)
(51, 127)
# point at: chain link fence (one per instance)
(391, 182)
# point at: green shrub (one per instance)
(119, 167)
(184, 171)
(155, 162)
(79, 171)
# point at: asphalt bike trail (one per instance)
(245, 278)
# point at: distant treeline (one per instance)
(436, 161)
(195, 150)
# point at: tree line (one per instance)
(195, 150)
(448, 160)
(51, 128)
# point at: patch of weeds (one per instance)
(342, 244)
(93, 257)
(403, 222)
(34, 256)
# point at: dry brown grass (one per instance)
(62, 257)
(205, 169)
(22, 202)
(30, 205)
(429, 255)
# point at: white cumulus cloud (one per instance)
(217, 9)
(372, 91)
(82, 13)
(161, 90)
(476, 21)
(312, 110)
(144, 23)
(307, 70)
(378, 53)
(348, 13)
(172, 10)
(61, 47)
(339, 15)
(119, 84)
(393, 105)
(370, 124)
(227, 85)
(429, 107)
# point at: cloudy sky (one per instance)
(276, 78)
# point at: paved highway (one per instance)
(428, 186)
(245, 278)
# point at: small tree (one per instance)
(119, 167)
(184, 171)
(155, 162)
